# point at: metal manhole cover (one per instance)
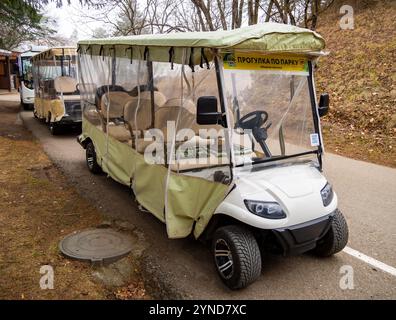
(96, 245)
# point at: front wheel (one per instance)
(26, 106)
(237, 256)
(335, 239)
(90, 155)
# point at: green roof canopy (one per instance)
(265, 37)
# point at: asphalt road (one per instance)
(367, 196)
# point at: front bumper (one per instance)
(28, 100)
(69, 121)
(73, 115)
(301, 238)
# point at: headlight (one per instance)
(270, 210)
(327, 194)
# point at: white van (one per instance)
(218, 135)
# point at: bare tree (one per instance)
(133, 17)
(312, 10)
(205, 10)
(221, 4)
(253, 11)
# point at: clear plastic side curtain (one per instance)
(141, 116)
(198, 174)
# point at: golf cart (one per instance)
(217, 134)
(57, 97)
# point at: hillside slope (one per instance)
(360, 75)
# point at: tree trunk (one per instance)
(307, 2)
(315, 11)
(269, 11)
(281, 11)
(240, 13)
(289, 13)
(221, 6)
(253, 7)
(205, 9)
(256, 11)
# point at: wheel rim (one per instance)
(223, 258)
(90, 157)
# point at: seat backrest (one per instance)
(170, 111)
(117, 100)
(177, 102)
(142, 110)
(142, 88)
(65, 84)
(104, 89)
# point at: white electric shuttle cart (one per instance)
(218, 135)
(57, 96)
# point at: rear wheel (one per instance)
(237, 256)
(55, 128)
(335, 239)
(92, 163)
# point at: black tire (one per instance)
(55, 129)
(26, 106)
(238, 245)
(335, 239)
(90, 155)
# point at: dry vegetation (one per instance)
(37, 208)
(360, 76)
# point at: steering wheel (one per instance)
(253, 120)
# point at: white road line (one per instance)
(371, 261)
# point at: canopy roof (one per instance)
(265, 37)
(55, 52)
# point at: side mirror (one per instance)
(324, 103)
(207, 113)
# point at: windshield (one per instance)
(50, 69)
(270, 113)
(27, 69)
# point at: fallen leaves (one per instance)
(359, 75)
(132, 291)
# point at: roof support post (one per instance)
(62, 62)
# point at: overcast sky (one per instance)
(69, 19)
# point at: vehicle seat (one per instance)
(142, 88)
(105, 89)
(170, 112)
(143, 113)
(67, 86)
(117, 101)
(116, 127)
(119, 132)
